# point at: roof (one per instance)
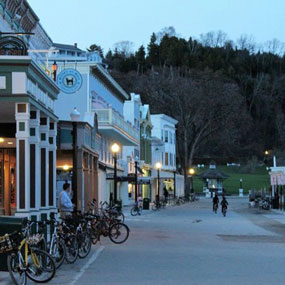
(213, 174)
(165, 117)
(66, 47)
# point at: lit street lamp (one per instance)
(158, 167)
(115, 148)
(75, 117)
(191, 172)
(240, 183)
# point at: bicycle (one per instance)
(136, 209)
(56, 247)
(34, 263)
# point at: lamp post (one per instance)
(240, 183)
(191, 172)
(115, 148)
(158, 167)
(174, 184)
(136, 181)
(75, 117)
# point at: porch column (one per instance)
(22, 116)
(44, 165)
(35, 162)
(52, 165)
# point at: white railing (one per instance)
(109, 116)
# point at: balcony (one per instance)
(113, 125)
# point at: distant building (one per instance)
(164, 151)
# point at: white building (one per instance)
(132, 153)
(164, 151)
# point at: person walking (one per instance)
(65, 204)
(215, 203)
(165, 193)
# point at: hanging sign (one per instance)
(12, 46)
(69, 80)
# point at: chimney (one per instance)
(75, 45)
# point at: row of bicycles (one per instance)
(31, 255)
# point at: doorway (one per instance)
(7, 181)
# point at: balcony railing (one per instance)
(111, 117)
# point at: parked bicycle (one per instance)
(25, 259)
(136, 209)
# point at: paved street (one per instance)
(189, 245)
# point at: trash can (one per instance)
(146, 202)
(8, 225)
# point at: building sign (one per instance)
(12, 46)
(69, 81)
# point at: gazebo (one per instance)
(213, 180)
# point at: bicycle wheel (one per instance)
(118, 233)
(134, 211)
(71, 249)
(17, 274)
(57, 251)
(84, 245)
(41, 266)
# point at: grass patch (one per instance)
(258, 179)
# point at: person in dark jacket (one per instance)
(224, 203)
(215, 201)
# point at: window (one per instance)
(162, 135)
(32, 132)
(22, 126)
(170, 137)
(166, 136)
(21, 108)
(171, 159)
(166, 158)
(162, 157)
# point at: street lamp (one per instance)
(75, 117)
(158, 167)
(240, 183)
(115, 148)
(191, 172)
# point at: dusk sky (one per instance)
(108, 22)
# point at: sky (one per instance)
(107, 22)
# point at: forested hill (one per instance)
(229, 98)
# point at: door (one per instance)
(7, 181)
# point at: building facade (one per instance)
(164, 152)
(28, 138)
(28, 122)
(88, 86)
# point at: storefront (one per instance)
(28, 129)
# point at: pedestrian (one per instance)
(65, 204)
(165, 193)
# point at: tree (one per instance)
(140, 59)
(153, 51)
(124, 47)
(96, 48)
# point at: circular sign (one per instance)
(69, 80)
